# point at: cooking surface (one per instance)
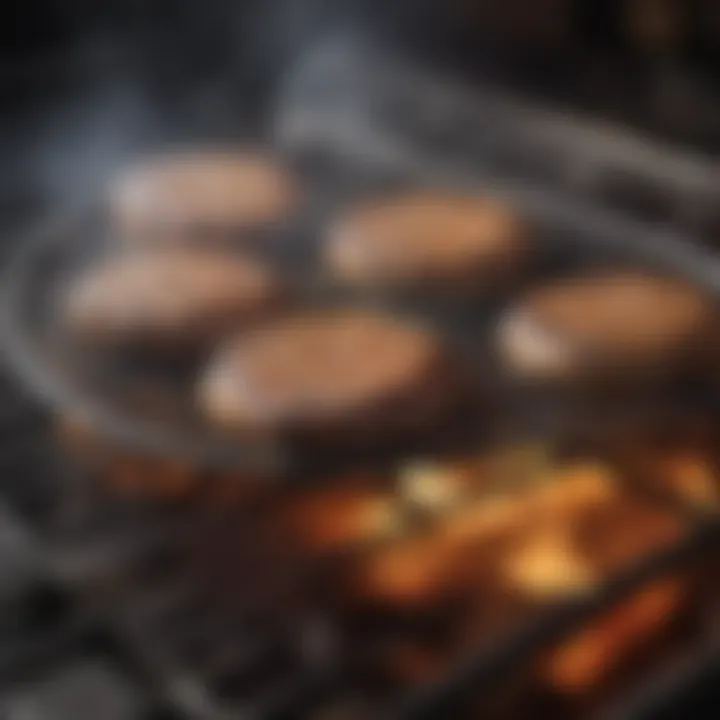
(60, 657)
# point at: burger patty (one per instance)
(427, 239)
(199, 193)
(346, 377)
(175, 300)
(609, 321)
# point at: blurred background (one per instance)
(81, 79)
(651, 61)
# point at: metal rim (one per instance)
(54, 390)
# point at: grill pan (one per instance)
(132, 602)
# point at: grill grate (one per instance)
(109, 619)
(104, 582)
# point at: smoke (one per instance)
(85, 142)
(157, 73)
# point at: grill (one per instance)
(112, 609)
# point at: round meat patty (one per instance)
(428, 239)
(201, 193)
(348, 378)
(599, 325)
(166, 301)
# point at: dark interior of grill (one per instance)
(194, 604)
